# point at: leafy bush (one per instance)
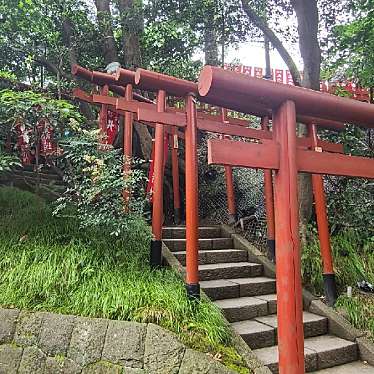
(96, 182)
(7, 162)
(29, 107)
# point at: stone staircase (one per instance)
(248, 300)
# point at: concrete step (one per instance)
(271, 301)
(238, 287)
(321, 352)
(243, 308)
(177, 245)
(351, 368)
(179, 232)
(229, 270)
(261, 331)
(214, 256)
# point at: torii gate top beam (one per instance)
(99, 78)
(232, 87)
(152, 81)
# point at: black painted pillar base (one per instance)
(271, 249)
(193, 291)
(156, 253)
(232, 219)
(331, 293)
(177, 216)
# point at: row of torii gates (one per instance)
(279, 152)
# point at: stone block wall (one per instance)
(41, 342)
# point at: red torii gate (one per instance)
(267, 101)
(283, 156)
(153, 81)
(114, 83)
(177, 87)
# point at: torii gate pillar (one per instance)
(288, 267)
(127, 143)
(158, 206)
(192, 202)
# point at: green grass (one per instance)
(353, 262)
(359, 310)
(49, 263)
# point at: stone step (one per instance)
(351, 368)
(321, 352)
(239, 287)
(213, 256)
(35, 179)
(34, 174)
(244, 308)
(179, 232)
(177, 245)
(229, 270)
(261, 331)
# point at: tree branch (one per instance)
(52, 67)
(274, 40)
(41, 60)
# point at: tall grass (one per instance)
(353, 262)
(359, 309)
(48, 263)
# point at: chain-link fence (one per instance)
(350, 201)
(249, 197)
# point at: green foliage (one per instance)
(29, 106)
(353, 261)
(351, 200)
(169, 47)
(8, 75)
(96, 182)
(8, 162)
(359, 310)
(35, 33)
(50, 263)
(352, 54)
(224, 17)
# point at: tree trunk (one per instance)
(307, 18)
(132, 28)
(104, 18)
(210, 37)
(67, 34)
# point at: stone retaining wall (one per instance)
(41, 342)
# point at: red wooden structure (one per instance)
(279, 152)
(283, 156)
